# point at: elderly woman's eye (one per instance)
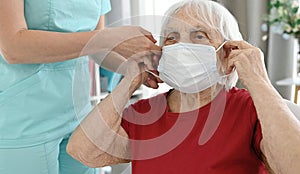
(200, 37)
(171, 38)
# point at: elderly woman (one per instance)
(204, 124)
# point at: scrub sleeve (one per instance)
(41, 104)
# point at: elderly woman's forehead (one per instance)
(187, 20)
(176, 24)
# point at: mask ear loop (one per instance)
(221, 46)
(152, 73)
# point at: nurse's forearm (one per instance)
(18, 44)
(280, 129)
(33, 46)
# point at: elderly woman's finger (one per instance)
(237, 45)
(232, 59)
(152, 83)
(148, 62)
(155, 75)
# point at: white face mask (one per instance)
(189, 68)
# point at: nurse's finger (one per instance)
(148, 62)
(145, 46)
(151, 68)
(145, 58)
(147, 34)
(139, 56)
(154, 48)
(154, 65)
(155, 58)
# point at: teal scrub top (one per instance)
(42, 102)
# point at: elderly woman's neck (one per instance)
(184, 102)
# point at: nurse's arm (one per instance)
(100, 140)
(18, 44)
(101, 23)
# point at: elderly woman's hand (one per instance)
(138, 68)
(248, 62)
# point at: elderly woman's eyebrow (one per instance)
(199, 28)
(170, 30)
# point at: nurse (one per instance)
(40, 42)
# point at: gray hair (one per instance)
(216, 16)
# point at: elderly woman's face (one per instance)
(189, 29)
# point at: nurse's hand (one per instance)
(131, 40)
(138, 43)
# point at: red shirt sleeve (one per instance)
(257, 139)
(132, 112)
(136, 114)
(125, 123)
(257, 132)
(254, 124)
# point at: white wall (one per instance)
(155, 7)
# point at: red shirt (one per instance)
(222, 137)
